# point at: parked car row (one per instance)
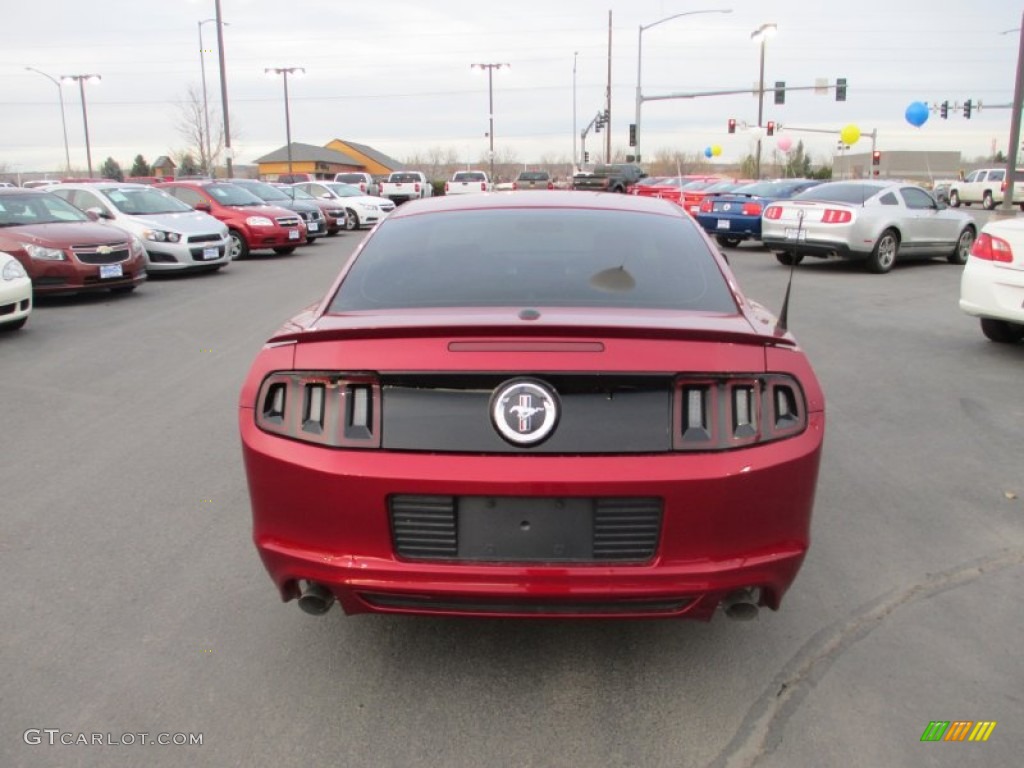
(107, 235)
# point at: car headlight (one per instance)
(136, 247)
(44, 254)
(13, 270)
(259, 221)
(160, 236)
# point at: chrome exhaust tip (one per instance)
(316, 599)
(741, 605)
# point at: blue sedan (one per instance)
(733, 217)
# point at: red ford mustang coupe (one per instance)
(544, 404)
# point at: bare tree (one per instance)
(191, 126)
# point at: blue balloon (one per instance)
(917, 113)
(707, 152)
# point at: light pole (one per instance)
(223, 91)
(762, 33)
(575, 164)
(639, 62)
(206, 103)
(82, 80)
(63, 122)
(285, 71)
(490, 104)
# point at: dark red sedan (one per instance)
(63, 249)
(540, 404)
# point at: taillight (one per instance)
(341, 410)
(717, 413)
(483, 186)
(446, 186)
(706, 206)
(515, 185)
(1002, 187)
(773, 212)
(416, 187)
(751, 209)
(992, 248)
(836, 216)
(551, 185)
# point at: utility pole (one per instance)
(490, 105)
(608, 98)
(224, 93)
(1006, 209)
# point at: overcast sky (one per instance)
(397, 75)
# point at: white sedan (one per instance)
(361, 210)
(992, 284)
(15, 293)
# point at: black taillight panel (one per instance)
(336, 409)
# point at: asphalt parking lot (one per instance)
(135, 602)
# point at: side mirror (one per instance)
(98, 213)
(92, 214)
(204, 207)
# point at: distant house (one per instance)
(164, 166)
(320, 162)
(373, 162)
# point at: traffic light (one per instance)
(771, 128)
(840, 89)
(632, 134)
(732, 125)
(876, 158)
(944, 110)
(967, 109)
(780, 91)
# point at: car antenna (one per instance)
(783, 324)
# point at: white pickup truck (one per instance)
(403, 186)
(985, 186)
(468, 183)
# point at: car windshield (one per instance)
(841, 192)
(530, 257)
(469, 176)
(721, 186)
(404, 177)
(232, 195)
(264, 191)
(345, 190)
(298, 193)
(136, 201)
(770, 188)
(36, 208)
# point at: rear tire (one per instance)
(884, 254)
(1001, 331)
(963, 247)
(987, 202)
(727, 241)
(789, 259)
(954, 199)
(239, 249)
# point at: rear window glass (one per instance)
(350, 178)
(469, 176)
(534, 176)
(535, 258)
(405, 177)
(841, 192)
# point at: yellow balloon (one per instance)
(850, 134)
(716, 149)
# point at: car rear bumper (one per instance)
(811, 247)
(988, 290)
(729, 521)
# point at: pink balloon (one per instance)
(785, 143)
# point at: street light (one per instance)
(762, 33)
(82, 80)
(639, 60)
(285, 71)
(63, 122)
(206, 104)
(490, 102)
(575, 165)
